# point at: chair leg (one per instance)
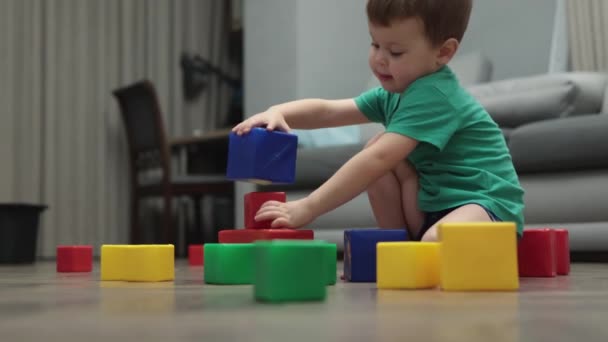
(199, 235)
(168, 227)
(135, 233)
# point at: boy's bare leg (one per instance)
(466, 213)
(408, 179)
(394, 198)
(385, 199)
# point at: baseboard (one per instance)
(598, 256)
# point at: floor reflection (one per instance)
(119, 297)
(435, 315)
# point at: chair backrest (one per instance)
(142, 117)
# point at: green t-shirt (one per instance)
(462, 156)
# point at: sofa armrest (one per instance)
(575, 143)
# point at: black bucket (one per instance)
(19, 232)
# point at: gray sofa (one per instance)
(556, 127)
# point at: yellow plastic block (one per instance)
(478, 256)
(407, 265)
(113, 261)
(137, 262)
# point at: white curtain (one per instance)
(558, 56)
(588, 34)
(62, 141)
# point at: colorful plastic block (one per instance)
(331, 258)
(478, 256)
(331, 261)
(562, 252)
(229, 264)
(536, 253)
(252, 235)
(290, 271)
(407, 265)
(74, 258)
(195, 255)
(137, 262)
(253, 202)
(262, 156)
(360, 251)
(113, 262)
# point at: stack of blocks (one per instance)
(264, 157)
(283, 269)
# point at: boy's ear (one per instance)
(446, 51)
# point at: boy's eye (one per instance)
(396, 54)
(375, 46)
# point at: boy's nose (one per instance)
(380, 59)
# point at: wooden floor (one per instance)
(37, 304)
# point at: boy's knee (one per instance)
(405, 171)
(430, 235)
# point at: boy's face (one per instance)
(401, 53)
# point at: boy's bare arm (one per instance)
(305, 114)
(319, 113)
(360, 171)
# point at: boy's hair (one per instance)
(443, 19)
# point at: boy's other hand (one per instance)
(294, 214)
(271, 119)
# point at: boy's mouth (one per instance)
(384, 77)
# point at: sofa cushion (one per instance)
(605, 104)
(506, 132)
(515, 107)
(563, 144)
(540, 97)
(316, 165)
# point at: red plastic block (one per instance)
(251, 235)
(74, 258)
(536, 253)
(253, 202)
(195, 255)
(562, 252)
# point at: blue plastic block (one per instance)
(360, 251)
(262, 156)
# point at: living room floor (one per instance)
(38, 304)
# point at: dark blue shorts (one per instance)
(431, 218)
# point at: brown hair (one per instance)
(443, 19)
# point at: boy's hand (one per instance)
(272, 119)
(294, 214)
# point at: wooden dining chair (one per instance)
(149, 150)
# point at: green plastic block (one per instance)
(229, 263)
(292, 270)
(331, 261)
